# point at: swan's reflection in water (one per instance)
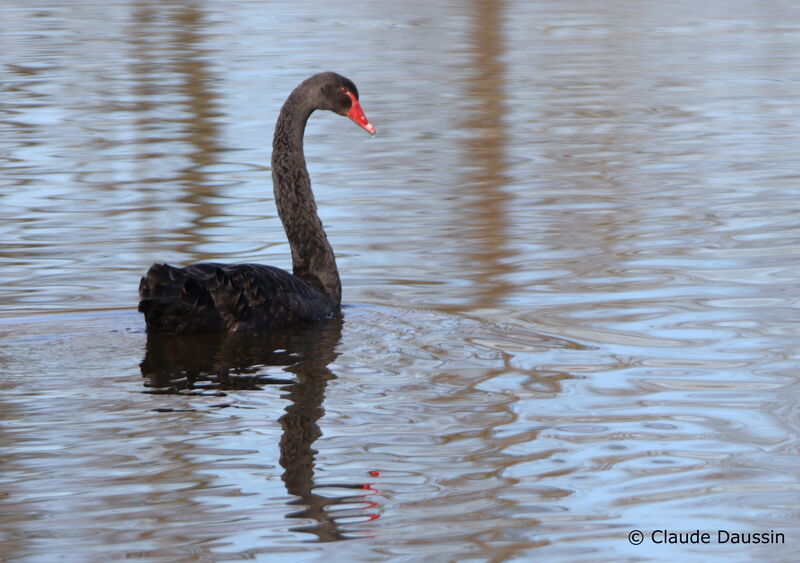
(211, 364)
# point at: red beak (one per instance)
(357, 115)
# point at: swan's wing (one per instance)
(213, 297)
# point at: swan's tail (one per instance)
(169, 315)
(174, 301)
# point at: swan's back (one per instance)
(227, 297)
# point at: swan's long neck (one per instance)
(312, 256)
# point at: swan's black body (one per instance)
(227, 297)
(246, 297)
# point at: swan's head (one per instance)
(336, 93)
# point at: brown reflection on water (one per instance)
(180, 54)
(211, 364)
(486, 224)
(485, 220)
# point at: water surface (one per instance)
(569, 261)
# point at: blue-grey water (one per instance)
(570, 268)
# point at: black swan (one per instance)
(210, 297)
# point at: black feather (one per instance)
(227, 297)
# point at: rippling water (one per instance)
(569, 261)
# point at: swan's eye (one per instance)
(343, 90)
